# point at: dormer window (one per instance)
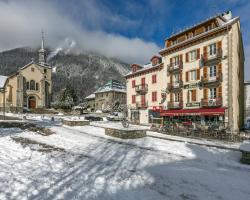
(208, 28)
(174, 42)
(45, 71)
(32, 69)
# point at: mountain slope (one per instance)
(84, 72)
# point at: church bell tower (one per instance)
(42, 52)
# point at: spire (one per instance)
(42, 52)
(42, 47)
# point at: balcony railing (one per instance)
(175, 67)
(141, 89)
(141, 104)
(211, 80)
(207, 58)
(216, 102)
(175, 85)
(175, 105)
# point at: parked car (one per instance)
(93, 118)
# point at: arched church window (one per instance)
(37, 86)
(32, 85)
(27, 85)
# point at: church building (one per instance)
(29, 88)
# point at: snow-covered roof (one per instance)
(145, 67)
(112, 85)
(231, 21)
(3, 80)
(92, 96)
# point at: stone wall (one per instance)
(75, 122)
(125, 134)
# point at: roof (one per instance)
(229, 22)
(91, 96)
(144, 68)
(112, 85)
(3, 80)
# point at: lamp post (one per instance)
(3, 103)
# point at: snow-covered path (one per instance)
(94, 166)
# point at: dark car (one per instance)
(93, 118)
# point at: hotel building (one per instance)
(202, 72)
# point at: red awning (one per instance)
(200, 111)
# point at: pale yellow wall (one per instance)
(37, 75)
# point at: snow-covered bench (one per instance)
(245, 150)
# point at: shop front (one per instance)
(200, 116)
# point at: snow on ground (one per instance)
(87, 164)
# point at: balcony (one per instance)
(173, 67)
(141, 105)
(216, 102)
(211, 81)
(207, 60)
(141, 89)
(175, 86)
(175, 105)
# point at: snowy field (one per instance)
(83, 163)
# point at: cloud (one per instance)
(22, 21)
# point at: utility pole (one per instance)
(4, 103)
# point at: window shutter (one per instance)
(186, 57)
(219, 70)
(187, 78)
(198, 53)
(180, 76)
(171, 79)
(171, 97)
(219, 90)
(171, 61)
(152, 96)
(181, 58)
(193, 95)
(205, 72)
(219, 45)
(180, 96)
(205, 93)
(188, 96)
(198, 74)
(155, 96)
(205, 52)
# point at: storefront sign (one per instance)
(194, 104)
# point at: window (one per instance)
(37, 86)
(154, 96)
(208, 28)
(177, 97)
(176, 78)
(193, 55)
(27, 85)
(212, 49)
(212, 93)
(154, 78)
(32, 69)
(174, 42)
(45, 71)
(32, 85)
(190, 35)
(133, 98)
(193, 75)
(175, 60)
(192, 96)
(212, 71)
(133, 83)
(143, 82)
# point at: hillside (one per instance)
(85, 72)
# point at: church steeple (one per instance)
(42, 52)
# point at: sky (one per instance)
(132, 30)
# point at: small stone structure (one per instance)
(245, 150)
(124, 133)
(72, 122)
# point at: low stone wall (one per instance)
(125, 134)
(75, 122)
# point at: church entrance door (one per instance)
(32, 102)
